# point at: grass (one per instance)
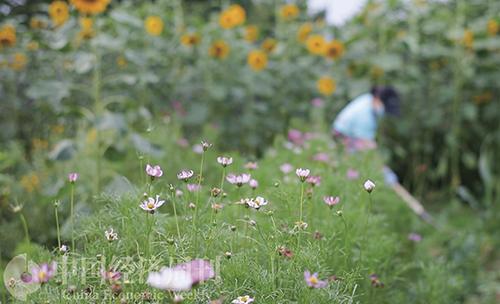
(351, 247)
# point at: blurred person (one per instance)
(356, 127)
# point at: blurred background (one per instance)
(84, 77)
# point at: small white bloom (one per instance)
(185, 174)
(170, 279)
(151, 204)
(302, 174)
(63, 249)
(224, 161)
(243, 300)
(369, 186)
(257, 202)
(111, 235)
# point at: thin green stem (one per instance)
(72, 216)
(176, 219)
(301, 201)
(222, 179)
(58, 229)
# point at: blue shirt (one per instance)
(357, 119)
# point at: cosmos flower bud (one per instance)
(369, 186)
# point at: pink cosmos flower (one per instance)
(110, 276)
(193, 187)
(251, 166)
(198, 149)
(185, 174)
(151, 204)
(322, 157)
(200, 270)
(331, 200)
(43, 273)
(286, 168)
(253, 184)
(154, 171)
(414, 237)
(238, 180)
(302, 174)
(72, 177)
(296, 137)
(352, 174)
(314, 180)
(224, 161)
(317, 102)
(313, 281)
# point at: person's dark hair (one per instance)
(389, 97)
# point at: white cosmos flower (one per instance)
(243, 300)
(257, 202)
(302, 173)
(238, 180)
(170, 279)
(185, 174)
(151, 204)
(224, 161)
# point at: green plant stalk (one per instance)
(301, 211)
(72, 216)
(96, 83)
(199, 189)
(57, 228)
(222, 179)
(26, 235)
(176, 219)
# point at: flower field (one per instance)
(181, 151)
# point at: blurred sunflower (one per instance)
(90, 6)
(289, 11)
(492, 27)
(219, 49)
(18, 62)
(233, 16)
(269, 44)
(58, 12)
(190, 39)
(334, 49)
(251, 33)
(468, 39)
(37, 23)
(86, 28)
(257, 60)
(326, 85)
(7, 36)
(153, 25)
(316, 44)
(304, 31)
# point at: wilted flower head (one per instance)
(286, 168)
(314, 180)
(217, 207)
(224, 161)
(285, 252)
(376, 281)
(151, 204)
(239, 179)
(72, 177)
(352, 174)
(369, 186)
(154, 171)
(415, 237)
(313, 281)
(17, 208)
(251, 166)
(331, 200)
(111, 276)
(215, 192)
(301, 225)
(43, 273)
(302, 174)
(205, 145)
(185, 174)
(111, 235)
(253, 184)
(193, 187)
(242, 300)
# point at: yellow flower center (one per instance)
(151, 205)
(41, 276)
(313, 280)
